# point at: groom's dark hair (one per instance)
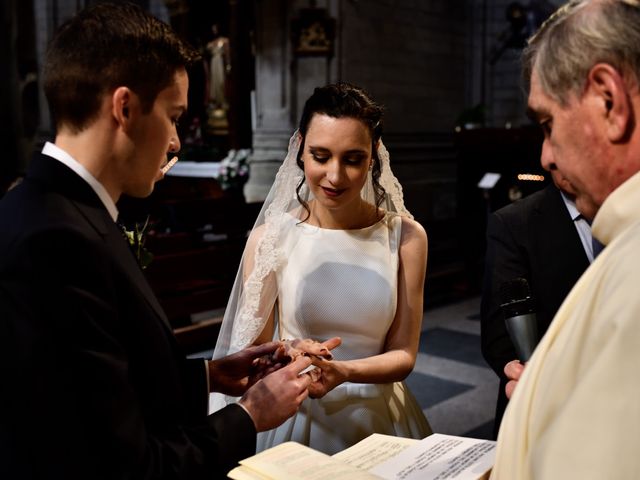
(104, 47)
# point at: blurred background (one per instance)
(447, 72)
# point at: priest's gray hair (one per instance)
(576, 37)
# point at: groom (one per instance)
(92, 382)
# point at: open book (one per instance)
(377, 457)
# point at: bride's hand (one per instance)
(289, 350)
(327, 376)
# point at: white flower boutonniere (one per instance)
(136, 239)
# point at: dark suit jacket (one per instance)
(534, 238)
(93, 382)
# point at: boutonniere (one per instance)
(136, 239)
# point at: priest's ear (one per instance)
(611, 97)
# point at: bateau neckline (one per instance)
(316, 227)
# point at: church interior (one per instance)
(448, 75)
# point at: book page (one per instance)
(245, 473)
(293, 461)
(374, 449)
(440, 457)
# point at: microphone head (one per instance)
(515, 297)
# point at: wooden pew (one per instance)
(197, 235)
(193, 281)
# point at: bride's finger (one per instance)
(314, 347)
(332, 343)
(304, 346)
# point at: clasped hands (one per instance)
(271, 377)
(325, 375)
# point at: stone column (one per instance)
(283, 82)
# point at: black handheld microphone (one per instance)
(519, 316)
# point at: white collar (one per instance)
(618, 211)
(59, 154)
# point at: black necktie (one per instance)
(597, 246)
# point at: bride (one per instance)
(335, 253)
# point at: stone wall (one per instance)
(503, 95)
(410, 55)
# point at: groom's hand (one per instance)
(233, 374)
(278, 396)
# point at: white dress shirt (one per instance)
(582, 225)
(59, 154)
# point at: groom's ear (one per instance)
(123, 102)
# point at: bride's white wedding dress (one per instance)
(343, 283)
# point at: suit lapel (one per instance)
(118, 245)
(552, 218)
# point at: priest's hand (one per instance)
(513, 370)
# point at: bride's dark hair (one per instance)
(343, 100)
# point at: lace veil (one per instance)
(255, 290)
